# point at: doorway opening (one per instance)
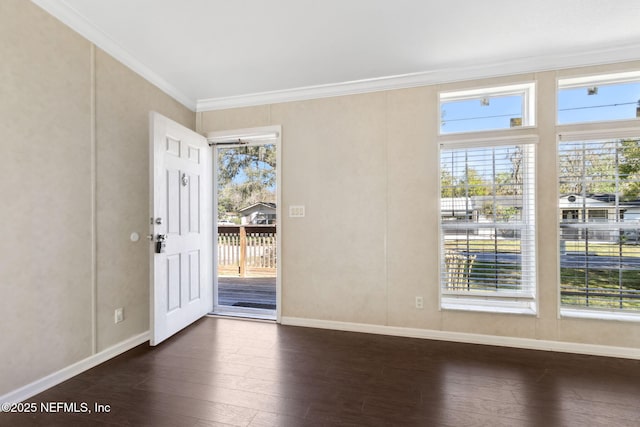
(246, 204)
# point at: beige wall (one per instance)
(366, 168)
(67, 116)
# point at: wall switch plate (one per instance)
(296, 211)
(119, 315)
(419, 303)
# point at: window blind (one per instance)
(487, 226)
(599, 221)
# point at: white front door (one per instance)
(181, 214)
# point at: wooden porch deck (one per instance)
(253, 292)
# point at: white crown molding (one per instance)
(463, 337)
(73, 19)
(446, 75)
(64, 374)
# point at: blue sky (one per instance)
(574, 105)
(461, 116)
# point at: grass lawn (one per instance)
(604, 285)
(604, 249)
(492, 277)
(513, 246)
(606, 288)
(484, 245)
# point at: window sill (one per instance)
(599, 315)
(489, 306)
(473, 134)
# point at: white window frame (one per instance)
(527, 90)
(589, 312)
(495, 302)
(595, 80)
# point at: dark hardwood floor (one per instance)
(222, 372)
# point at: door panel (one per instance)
(173, 209)
(194, 275)
(173, 282)
(194, 204)
(181, 209)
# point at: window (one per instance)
(600, 223)
(487, 227)
(493, 108)
(600, 98)
(598, 215)
(570, 215)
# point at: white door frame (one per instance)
(255, 136)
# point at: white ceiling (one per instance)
(216, 50)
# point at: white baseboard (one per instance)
(525, 343)
(64, 374)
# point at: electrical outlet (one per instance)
(119, 315)
(296, 211)
(419, 303)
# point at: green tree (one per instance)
(474, 184)
(246, 175)
(470, 184)
(256, 162)
(448, 185)
(505, 185)
(629, 169)
(597, 166)
(499, 213)
(516, 157)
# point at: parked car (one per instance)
(631, 237)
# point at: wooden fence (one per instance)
(247, 250)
